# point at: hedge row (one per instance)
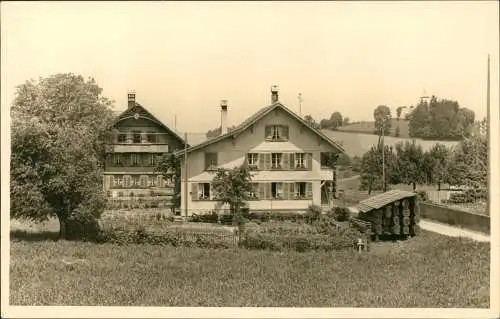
(468, 196)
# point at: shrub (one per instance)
(313, 213)
(82, 225)
(340, 214)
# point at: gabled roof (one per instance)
(143, 112)
(380, 200)
(253, 119)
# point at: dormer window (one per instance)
(136, 137)
(210, 161)
(122, 138)
(277, 133)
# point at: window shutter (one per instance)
(268, 132)
(309, 190)
(146, 159)
(309, 161)
(216, 159)
(285, 189)
(262, 164)
(292, 160)
(268, 190)
(107, 182)
(245, 161)
(286, 160)
(207, 161)
(262, 190)
(268, 161)
(292, 190)
(194, 191)
(284, 132)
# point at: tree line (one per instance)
(407, 163)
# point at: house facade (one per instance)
(138, 140)
(287, 154)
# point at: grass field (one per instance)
(369, 127)
(429, 270)
(356, 143)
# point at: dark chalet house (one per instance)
(137, 141)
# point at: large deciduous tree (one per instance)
(169, 166)
(233, 187)
(410, 163)
(469, 163)
(58, 129)
(382, 117)
(436, 164)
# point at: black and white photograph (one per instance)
(250, 159)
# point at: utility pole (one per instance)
(383, 156)
(300, 103)
(488, 132)
(185, 176)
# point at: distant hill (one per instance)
(356, 144)
(368, 127)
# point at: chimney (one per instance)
(274, 94)
(223, 117)
(131, 99)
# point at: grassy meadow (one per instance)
(429, 270)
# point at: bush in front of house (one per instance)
(139, 235)
(340, 214)
(313, 213)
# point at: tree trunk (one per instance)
(369, 189)
(63, 225)
(439, 186)
(414, 186)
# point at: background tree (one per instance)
(397, 131)
(436, 163)
(216, 132)
(399, 110)
(311, 121)
(58, 130)
(382, 116)
(346, 121)
(469, 163)
(441, 119)
(371, 174)
(169, 166)
(336, 120)
(233, 187)
(410, 163)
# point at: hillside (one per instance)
(356, 144)
(368, 127)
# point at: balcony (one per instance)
(137, 148)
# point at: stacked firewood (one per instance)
(399, 218)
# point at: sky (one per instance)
(182, 58)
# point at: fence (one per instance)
(456, 217)
(470, 200)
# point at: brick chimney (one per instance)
(131, 99)
(223, 117)
(274, 94)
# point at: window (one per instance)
(159, 180)
(300, 160)
(210, 161)
(151, 180)
(324, 160)
(135, 159)
(143, 181)
(276, 132)
(151, 137)
(117, 180)
(136, 137)
(151, 159)
(300, 190)
(122, 138)
(253, 159)
(126, 181)
(117, 159)
(277, 190)
(254, 192)
(276, 160)
(135, 180)
(204, 191)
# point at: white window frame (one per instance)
(253, 159)
(135, 159)
(279, 190)
(300, 160)
(143, 181)
(275, 164)
(297, 190)
(201, 191)
(117, 159)
(276, 132)
(127, 181)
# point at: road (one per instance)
(452, 231)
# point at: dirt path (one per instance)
(452, 231)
